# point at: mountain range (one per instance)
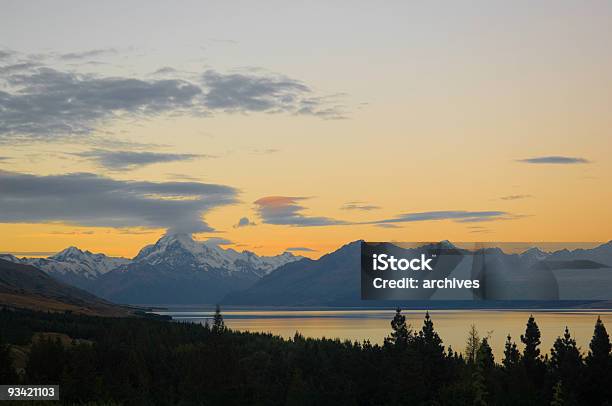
(176, 269)
(335, 278)
(180, 270)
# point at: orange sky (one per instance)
(431, 110)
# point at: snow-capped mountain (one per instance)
(72, 260)
(182, 251)
(72, 265)
(533, 255)
(177, 269)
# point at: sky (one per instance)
(276, 126)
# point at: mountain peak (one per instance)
(181, 252)
(70, 252)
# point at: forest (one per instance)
(148, 361)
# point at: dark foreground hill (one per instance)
(24, 286)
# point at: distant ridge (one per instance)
(334, 279)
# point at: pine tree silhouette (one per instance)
(557, 399)
(531, 339)
(484, 356)
(218, 323)
(512, 356)
(471, 345)
(566, 364)
(599, 354)
(401, 331)
(429, 340)
(599, 366)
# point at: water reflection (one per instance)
(373, 325)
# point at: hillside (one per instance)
(24, 286)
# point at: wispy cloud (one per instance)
(460, 216)
(555, 159)
(92, 53)
(300, 249)
(359, 206)
(387, 225)
(238, 92)
(124, 160)
(215, 241)
(515, 197)
(90, 200)
(285, 210)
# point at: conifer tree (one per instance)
(484, 356)
(429, 338)
(401, 331)
(512, 356)
(566, 365)
(599, 353)
(557, 398)
(479, 388)
(599, 366)
(565, 359)
(218, 323)
(531, 339)
(472, 344)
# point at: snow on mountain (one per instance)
(72, 262)
(182, 251)
(178, 251)
(533, 255)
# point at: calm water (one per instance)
(362, 324)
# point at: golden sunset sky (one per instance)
(316, 123)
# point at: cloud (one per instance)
(387, 225)
(18, 67)
(460, 216)
(300, 249)
(285, 210)
(90, 200)
(515, 197)
(566, 160)
(123, 160)
(93, 53)
(244, 222)
(6, 54)
(43, 103)
(46, 102)
(237, 92)
(359, 206)
(215, 242)
(75, 232)
(165, 70)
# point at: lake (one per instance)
(373, 324)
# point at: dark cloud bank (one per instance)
(41, 102)
(91, 200)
